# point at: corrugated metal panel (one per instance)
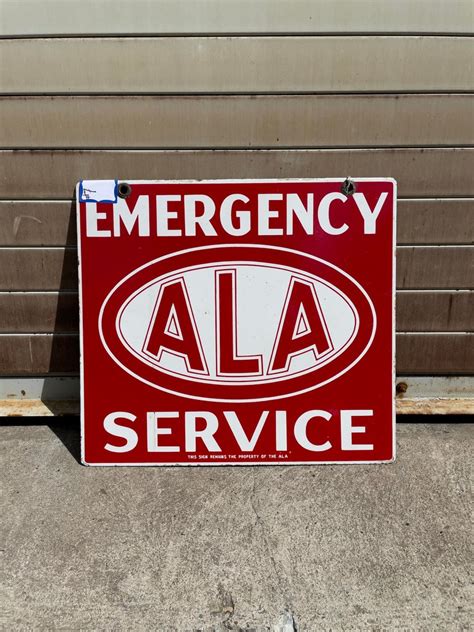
(236, 64)
(443, 267)
(49, 174)
(429, 353)
(56, 17)
(48, 312)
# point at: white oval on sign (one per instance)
(261, 295)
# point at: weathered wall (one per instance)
(280, 89)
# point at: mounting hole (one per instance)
(348, 187)
(401, 388)
(124, 190)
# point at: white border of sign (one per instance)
(246, 464)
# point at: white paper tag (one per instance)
(98, 191)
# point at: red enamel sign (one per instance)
(237, 322)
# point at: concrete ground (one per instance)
(376, 547)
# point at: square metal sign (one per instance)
(237, 321)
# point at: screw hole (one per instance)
(401, 388)
(124, 190)
(348, 187)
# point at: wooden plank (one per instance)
(50, 396)
(50, 174)
(434, 406)
(53, 223)
(37, 223)
(39, 354)
(435, 354)
(235, 64)
(236, 121)
(35, 312)
(431, 406)
(25, 312)
(53, 388)
(435, 311)
(419, 267)
(447, 395)
(409, 406)
(38, 269)
(81, 17)
(430, 221)
(408, 386)
(38, 408)
(435, 267)
(417, 354)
